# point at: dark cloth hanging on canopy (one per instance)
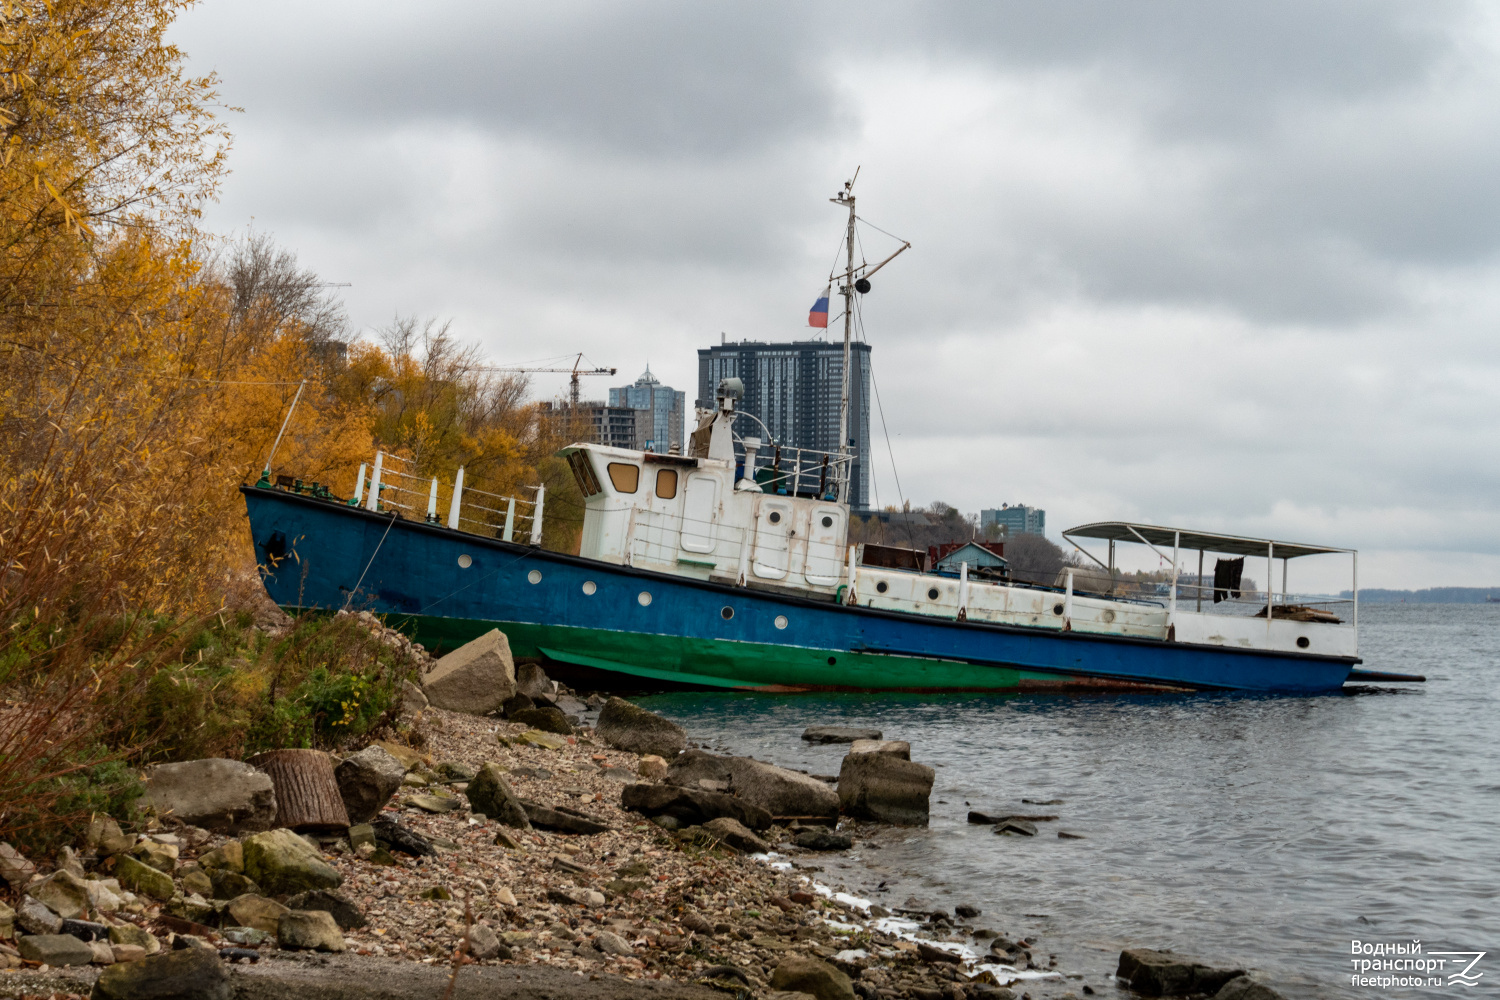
(1227, 576)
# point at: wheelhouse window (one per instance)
(583, 472)
(625, 477)
(666, 483)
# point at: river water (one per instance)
(1268, 832)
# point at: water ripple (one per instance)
(1266, 831)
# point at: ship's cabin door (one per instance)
(699, 501)
(773, 534)
(825, 546)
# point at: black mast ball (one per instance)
(862, 285)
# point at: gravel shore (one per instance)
(654, 912)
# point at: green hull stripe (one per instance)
(680, 676)
(722, 664)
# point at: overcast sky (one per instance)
(1231, 266)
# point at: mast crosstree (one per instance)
(854, 279)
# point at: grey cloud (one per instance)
(651, 80)
(1304, 187)
(1215, 68)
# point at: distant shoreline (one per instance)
(1431, 595)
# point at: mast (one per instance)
(846, 289)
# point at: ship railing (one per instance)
(1252, 603)
(389, 480)
(800, 472)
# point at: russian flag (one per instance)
(819, 315)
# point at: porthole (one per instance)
(1057, 609)
(1109, 616)
(827, 521)
(1303, 642)
(781, 621)
(465, 561)
(882, 587)
(726, 613)
(644, 597)
(535, 576)
(590, 587)
(932, 594)
(775, 517)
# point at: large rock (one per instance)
(533, 682)
(796, 974)
(131, 936)
(340, 907)
(224, 795)
(613, 944)
(367, 780)
(55, 949)
(885, 788)
(142, 879)
(184, 974)
(774, 789)
(899, 748)
(65, 894)
(691, 806)
(562, 819)
(408, 757)
(839, 734)
(310, 930)
(823, 840)
(104, 895)
(162, 857)
(105, 837)
(629, 727)
(699, 769)
(412, 698)
(780, 792)
(475, 678)
(282, 863)
(1166, 974)
(15, 869)
(224, 884)
(1245, 988)
(489, 793)
(485, 944)
(548, 720)
(255, 911)
(36, 917)
(733, 833)
(229, 857)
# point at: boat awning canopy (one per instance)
(1160, 537)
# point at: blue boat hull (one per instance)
(662, 629)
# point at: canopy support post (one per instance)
(1200, 581)
(1270, 594)
(1176, 547)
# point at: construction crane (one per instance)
(575, 372)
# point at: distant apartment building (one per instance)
(658, 412)
(794, 388)
(615, 426)
(1016, 520)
